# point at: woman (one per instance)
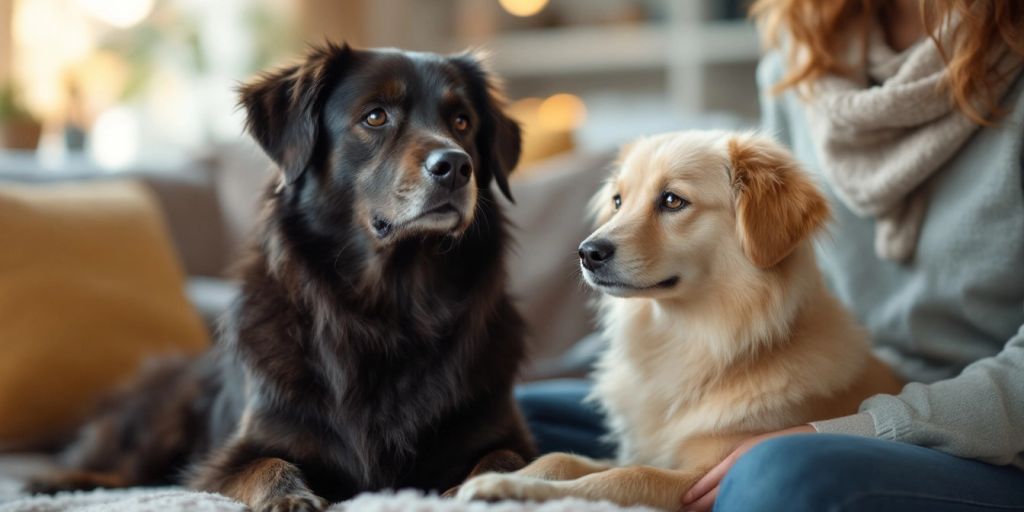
(913, 113)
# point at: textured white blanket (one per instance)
(172, 499)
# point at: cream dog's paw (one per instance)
(497, 487)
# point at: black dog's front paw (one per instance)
(303, 502)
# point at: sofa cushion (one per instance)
(89, 286)
(185, 194)
(550, 221)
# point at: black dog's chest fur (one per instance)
(395, 388)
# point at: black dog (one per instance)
(373, 345)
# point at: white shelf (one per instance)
(566, 51)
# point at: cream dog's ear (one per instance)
(777, 204)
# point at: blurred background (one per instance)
(129, 82)
(127, 187)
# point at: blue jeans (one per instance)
(560, 421)
(815, 472)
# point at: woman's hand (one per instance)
(701, 497)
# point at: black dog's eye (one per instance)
(670, 201)
(618, 201)
(461, 123)
(376, 118)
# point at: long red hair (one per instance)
(820, 30)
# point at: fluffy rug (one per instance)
(172, 499)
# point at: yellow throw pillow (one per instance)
(89, 287)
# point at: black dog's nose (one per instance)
(449, 167)
(594, 253)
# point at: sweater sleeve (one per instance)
(977, 415)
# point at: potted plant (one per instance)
(18, 129)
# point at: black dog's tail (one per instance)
(142, 434)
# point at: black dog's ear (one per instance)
(281, 107)
(498, 139)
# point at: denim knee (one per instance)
(792, 473)
(560, 420)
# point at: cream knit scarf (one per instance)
(880, 137)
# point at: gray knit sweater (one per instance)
(951, 320)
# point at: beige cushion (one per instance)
(89, 286)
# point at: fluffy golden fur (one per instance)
(720, 325)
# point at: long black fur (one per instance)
(345, 365)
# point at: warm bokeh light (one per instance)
(523, 8)
(99, 80)
(562, 112)
(43, 55)
(114, 139)
(525, 110)
(547, 130)
(119, 13)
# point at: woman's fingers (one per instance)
(705, 503)
(710, 481)
(703, 493)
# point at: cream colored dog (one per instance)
(720, 325)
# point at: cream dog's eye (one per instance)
(618, 201)
(670, 201)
